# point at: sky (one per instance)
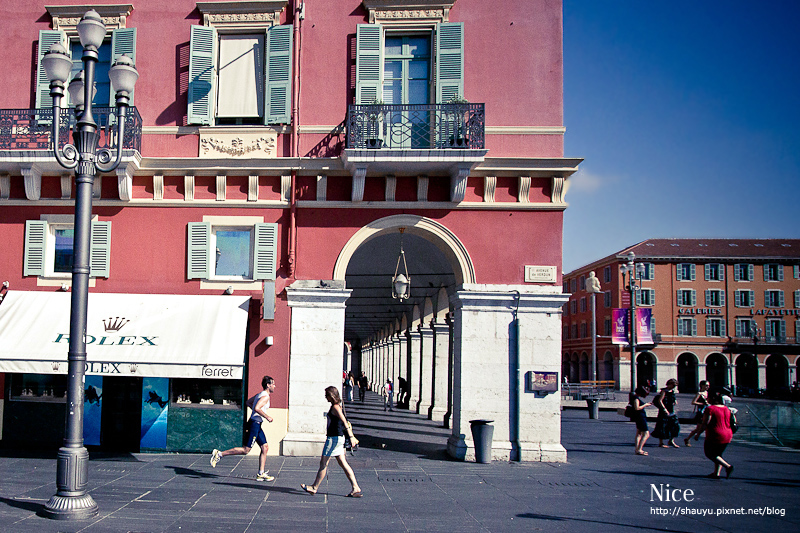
(687, 115)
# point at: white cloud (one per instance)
(584, 181)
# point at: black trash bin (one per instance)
(594, 407)
(482, 431)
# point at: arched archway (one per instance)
(777, 376)
(584, 366)
(607, 369)
(645, 368)
(574, 368)
(687, 372)
(746, 374)
(717, 370)
(565, 372)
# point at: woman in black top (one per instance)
(639, 416)
(334, 445)
(667, 426)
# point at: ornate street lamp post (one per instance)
(71, 500)
(634, 272)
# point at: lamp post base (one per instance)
(71, 502)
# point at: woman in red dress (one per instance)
(717, 425)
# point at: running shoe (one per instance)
(215, 457)
(264, 476)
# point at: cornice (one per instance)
(66, 18)
(408, 11)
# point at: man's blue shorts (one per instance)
(255, 434)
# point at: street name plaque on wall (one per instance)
(540, 274)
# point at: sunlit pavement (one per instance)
(409, 484)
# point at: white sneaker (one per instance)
(264, 476)
(215, 457)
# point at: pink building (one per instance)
(283, 153)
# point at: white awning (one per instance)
(149, 335)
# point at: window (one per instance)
(775, 330)
(714, 272)
(715, 298)
(394, 63)
(744, 298)
(646, 297)
(742, 272)
(796, 271)
(122, 41)
(38, 387)
(773, 272)
(565, 286)
(573, 307)
(607, 299)
(584, 333)
(687, 327)
(773, 298)
(745, 327)
(686, 272)
(607, 274)
(221, 392)
(48, 247)
(648, 271)
(565, 332)
(574, 330)
(240, 78)
(607, 327)
(582, 283)
(573, 285)
(687, 297)
(796, 331)
(583, 304)
(796, 299)
(715, 327)
(221, 250)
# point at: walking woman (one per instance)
(717, 425)
(640, 418)
(667, 426)
(334, 445)
(700, 403)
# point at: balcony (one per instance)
(414, 140)
(416, 127)
(30, 129)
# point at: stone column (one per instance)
(441, 370)
(426, 371)
(414, 370)
(483, 376)
(315, 360)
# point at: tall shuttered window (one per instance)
(243, 79)
(231, 252)
(48, 249)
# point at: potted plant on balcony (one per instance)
(459, 137)
(374, 119)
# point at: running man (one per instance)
(259, 404)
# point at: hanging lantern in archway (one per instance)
(401, 282)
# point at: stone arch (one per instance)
(584, 366)
(646, 363)
(777, 370)
(717, 369)
(607, 367)
(746, 374)
(430, 230)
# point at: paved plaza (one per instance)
(409, 484)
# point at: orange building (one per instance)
(723, 310)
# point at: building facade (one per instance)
(282, 158)
(722, 310)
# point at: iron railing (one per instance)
(411, 126)
(30, 129)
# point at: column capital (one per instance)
(317, 293)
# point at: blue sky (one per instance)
(687, 114)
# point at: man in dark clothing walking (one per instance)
(363, 384)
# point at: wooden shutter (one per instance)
(780, 272)
(783, 330)
(694, 297)
(680, 326)
(47, 38)
(707, 269)
(723, 328)
(736, 272)
(35, 239)
(198, 256)
(721, 268)
(708, 327)
(737, 298)
(265, 255)
(449, 61)
(781, 301)
(100, 249)
(123, 41)
(369, 52)
(766, 272)
(739, 328)
(202, 66)
(708, 298)
(692, 269)
(694, 327)
(279, 75)
(721, 298)
(797, 299)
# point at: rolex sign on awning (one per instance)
(147, 335)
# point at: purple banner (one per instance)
(644, 334)
(619, 326)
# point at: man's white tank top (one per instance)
(255, 417)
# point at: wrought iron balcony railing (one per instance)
(410, 126)
(30, 129)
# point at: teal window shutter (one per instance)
(694, 297)
(721, 272)
(736, 272)
(693, 270)
(797, 298)
(708, 298)
(47, 38)
(123, 41)
(680, 326)
(752, 300)
(35, 239)
(707, 269)
(723, 328)
(369, 51)
(750, 272)
(449, 61)
(766, 272)
(780, 272)
(739, 328)
(198, 257)
(279, 75)
(781, 301)
(721, 298)
(202, 64)
(694, 327)
(737, 298)
(100, 249)
(265, 254)
(783, 330)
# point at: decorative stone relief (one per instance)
(33, 181)
(97, 186)
(391, 188)
(66, 18)
(66, 186)
(383, 11)
(322, 188)
(422, 188)
(252, 188)
(5, 186)
(222, 184)
(557, 190)
(286, 187)
(238, 145)
(188, 188)
(158, 187)
(489, 187)
(524, 190)
(458, 183)
(125, 182)
(359, 179)
(242, 15)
